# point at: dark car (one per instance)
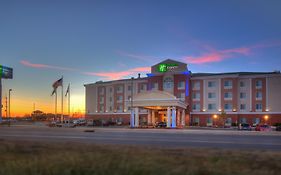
(278, 128)
(245, 126)
(161, 125)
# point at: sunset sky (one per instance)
(89, 40)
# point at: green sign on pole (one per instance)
(6, 72)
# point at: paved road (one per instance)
(177, 138)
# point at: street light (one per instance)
(132, 117)
(10, 106)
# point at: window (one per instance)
(256, 121)
(228, 106)
(168, 83)
(211, 95)
(259, 95)
(242, 107)
(196, 106)
(259, 106)
(101, 91)
(181, 96)
(129, 98)
(110, 108)
(110, 90)
(101, 108)
(258, 84)
(120, 98)
(119, 89)
(154, 86)
(212, 106)
(211, 84)
(129, 88)
(228, 95)
(228, 84)
(242, 95)
(101, 100)
(209, 120)
(242, 84)
(110, 99)
(196, 85)
(242, 120)
(228, 121)
(196, 95)
(181, 85)
(119, 108)
(196, 120)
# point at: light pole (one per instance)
(10, 106)
(132, 123)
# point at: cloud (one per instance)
(44, 66)
(137, 56)
(214, 55)
(119, 75)
(217, 56)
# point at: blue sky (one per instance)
(86, 41)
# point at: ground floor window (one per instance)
(196, 121)
(243, 120)
(209, 121)
(256, 120)
(228, 121)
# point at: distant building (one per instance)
(173, 94)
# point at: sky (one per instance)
(90, 40)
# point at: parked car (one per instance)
(278, 128)
(263, 128)
(161, 125)
(245, 126)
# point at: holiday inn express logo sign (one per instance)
(167, 67)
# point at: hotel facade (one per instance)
(173, 94)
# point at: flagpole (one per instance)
(69, 100)
(56, 104)
(62, 100)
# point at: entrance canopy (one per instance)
(157, 100)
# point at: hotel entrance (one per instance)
(161, 106)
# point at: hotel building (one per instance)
(173, 94)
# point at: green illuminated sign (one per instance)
(167, 67)
(6, 72)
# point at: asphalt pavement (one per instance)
(172, 138)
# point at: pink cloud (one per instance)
(120, 74)
(44, 66)
(218, 56)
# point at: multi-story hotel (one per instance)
(173, 94)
